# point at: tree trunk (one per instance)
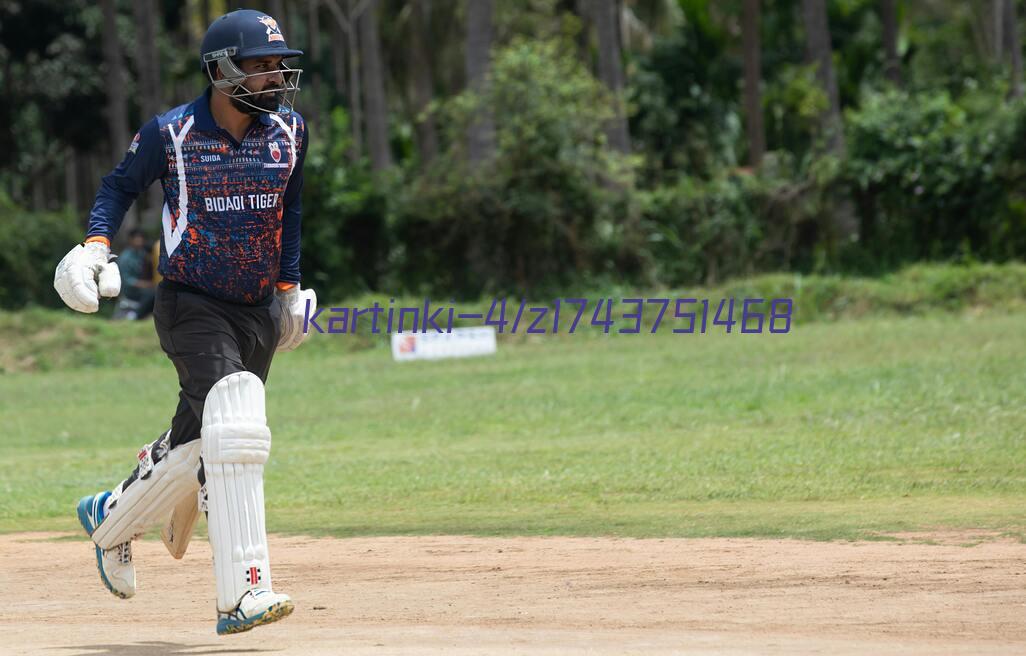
(148, 57)
(148, 64)
(892, 63)
(422, 82)
(750, 25)
(582, 8)
(117, 115)
(820, 52)
(312, 107)
(344, 23)
(477, 60)
(1014, 45)
(338, 57)
(374, 78)
(355, 101)
(998, 15)
(71, 179)
(844, 226)
(117, 112)
(605, 15)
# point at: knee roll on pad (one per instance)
(235, 445)
(162, 478)
(234, 425)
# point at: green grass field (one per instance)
(837, 430)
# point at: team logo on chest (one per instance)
(275, 151)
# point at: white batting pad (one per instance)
(162, 478)
(235, 445)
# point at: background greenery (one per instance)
(932, 168)
(482, 154)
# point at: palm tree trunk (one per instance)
(355, 91)
(477, 59)
(750, 24)
(998, 15)
(117, 111)
(892, 67)
(145, 13)
(820, 52)
(605, 15)
(313, 34)
(1014, 45)
(338, 57)
(422, 83)
(344, 22)
(374, 76)
(71, 178)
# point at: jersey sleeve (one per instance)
(292, 218)
(144, 162)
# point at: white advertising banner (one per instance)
(460, 343)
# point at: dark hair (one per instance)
(137, 232)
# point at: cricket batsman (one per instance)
(231, 167)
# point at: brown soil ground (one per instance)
(457, 595)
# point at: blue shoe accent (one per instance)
(90, 515)
(90, 511)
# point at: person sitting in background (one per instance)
(137, 294)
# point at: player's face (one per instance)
(266, 77)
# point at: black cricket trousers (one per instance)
(208, 339)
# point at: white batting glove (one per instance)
(293, 313)
(85, 274)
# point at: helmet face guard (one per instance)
(231, 82)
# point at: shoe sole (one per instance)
(87, 523)
(275, 612)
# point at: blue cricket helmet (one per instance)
(249, 33)
(246, 34)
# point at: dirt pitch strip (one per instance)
(461, 595)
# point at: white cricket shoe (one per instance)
(257, 606)
(116, 569)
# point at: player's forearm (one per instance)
(109, 209)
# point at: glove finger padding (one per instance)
(110, 280)
(294, 311)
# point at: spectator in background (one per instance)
(137, 290)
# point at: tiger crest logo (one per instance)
(273, 31)
(275, 151)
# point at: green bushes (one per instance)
(917, 289)
(929, 177)
(549, 209)
(34, 243)
(926, 177)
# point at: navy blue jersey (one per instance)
(231, 216)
